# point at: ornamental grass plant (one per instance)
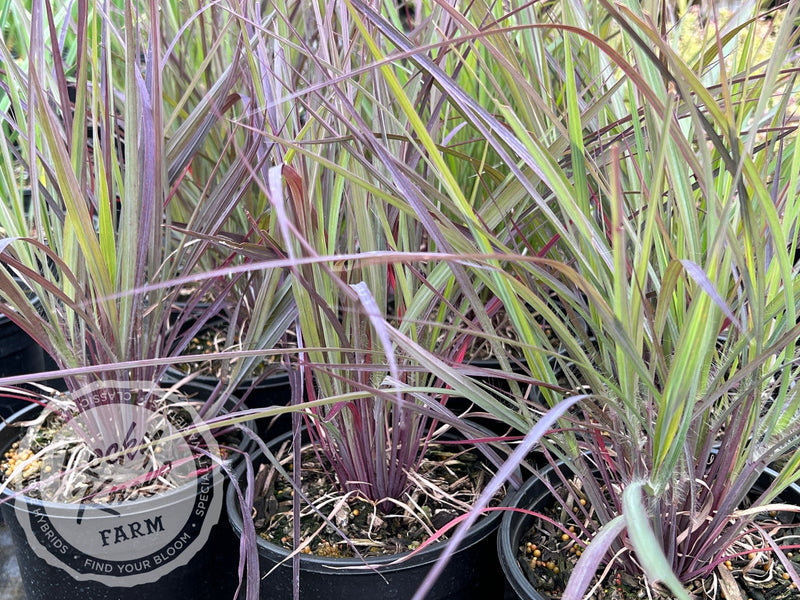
(119, 134)
(368, 252)
(670, 181)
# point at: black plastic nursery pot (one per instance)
(77, 551)
(19, 355)
(271, 390)
(274, 390)
(531, 496)
(464, 406)
(473, 572)
(534, 496)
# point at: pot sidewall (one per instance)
(193, 576)
(513, 526)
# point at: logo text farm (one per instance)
(132, 531)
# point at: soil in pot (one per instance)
(329, 566)
(538, 554)
(455, 476)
